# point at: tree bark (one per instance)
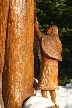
(18, 75)
(3, 23)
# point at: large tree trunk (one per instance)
(3, 23)
(18, 72)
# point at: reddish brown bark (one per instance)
(3, 23)
(18, 68)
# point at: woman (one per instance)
(50, 49)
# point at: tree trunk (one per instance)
(3, 23)
(18, 75)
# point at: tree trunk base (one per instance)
(1, 102)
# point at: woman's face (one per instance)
(48, 31)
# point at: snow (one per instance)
(63, 98)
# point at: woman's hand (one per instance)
(36, 23)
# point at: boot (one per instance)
(54, 106)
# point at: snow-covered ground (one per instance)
(63, 99)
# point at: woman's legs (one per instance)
(44, 93)
(53, 96)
